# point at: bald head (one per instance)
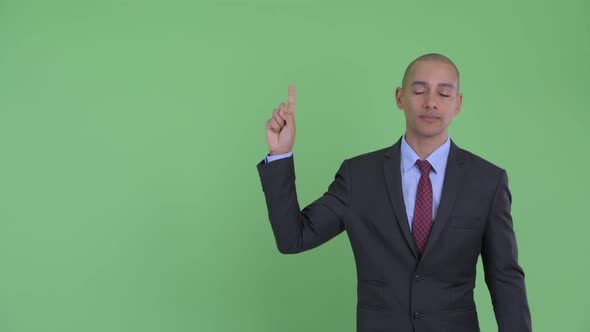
(429, 57)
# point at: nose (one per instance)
(431, 102)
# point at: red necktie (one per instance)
(422, 223)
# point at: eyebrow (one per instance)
(452, 86)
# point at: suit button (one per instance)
(417, 315)
(418, 277)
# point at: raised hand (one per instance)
(280, 129)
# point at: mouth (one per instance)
(429, 118)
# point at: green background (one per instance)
(130, 132)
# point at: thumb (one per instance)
(289, 118)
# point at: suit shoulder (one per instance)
(367, 163)
(369, 156)
(481, 164)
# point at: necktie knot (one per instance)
(424, 167)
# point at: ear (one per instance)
(459, 103)
(399, 92)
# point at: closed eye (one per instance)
(418, 93)
(444, 95)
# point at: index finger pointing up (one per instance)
(291, 106)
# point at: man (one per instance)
(418, 215)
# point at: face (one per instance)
(430, 100)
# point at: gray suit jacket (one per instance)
(397, 290)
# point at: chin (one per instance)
(429, 133)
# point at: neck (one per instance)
(425, 146)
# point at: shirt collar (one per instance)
(438, 158)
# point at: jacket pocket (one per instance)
(458, 311)
(372, 294)
(460, 320)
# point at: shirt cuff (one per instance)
(270, 158)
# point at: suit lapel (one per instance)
(451, 185)
(393, 179)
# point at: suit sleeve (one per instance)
(503, 275)
(298, 230)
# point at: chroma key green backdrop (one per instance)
(130, 131)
